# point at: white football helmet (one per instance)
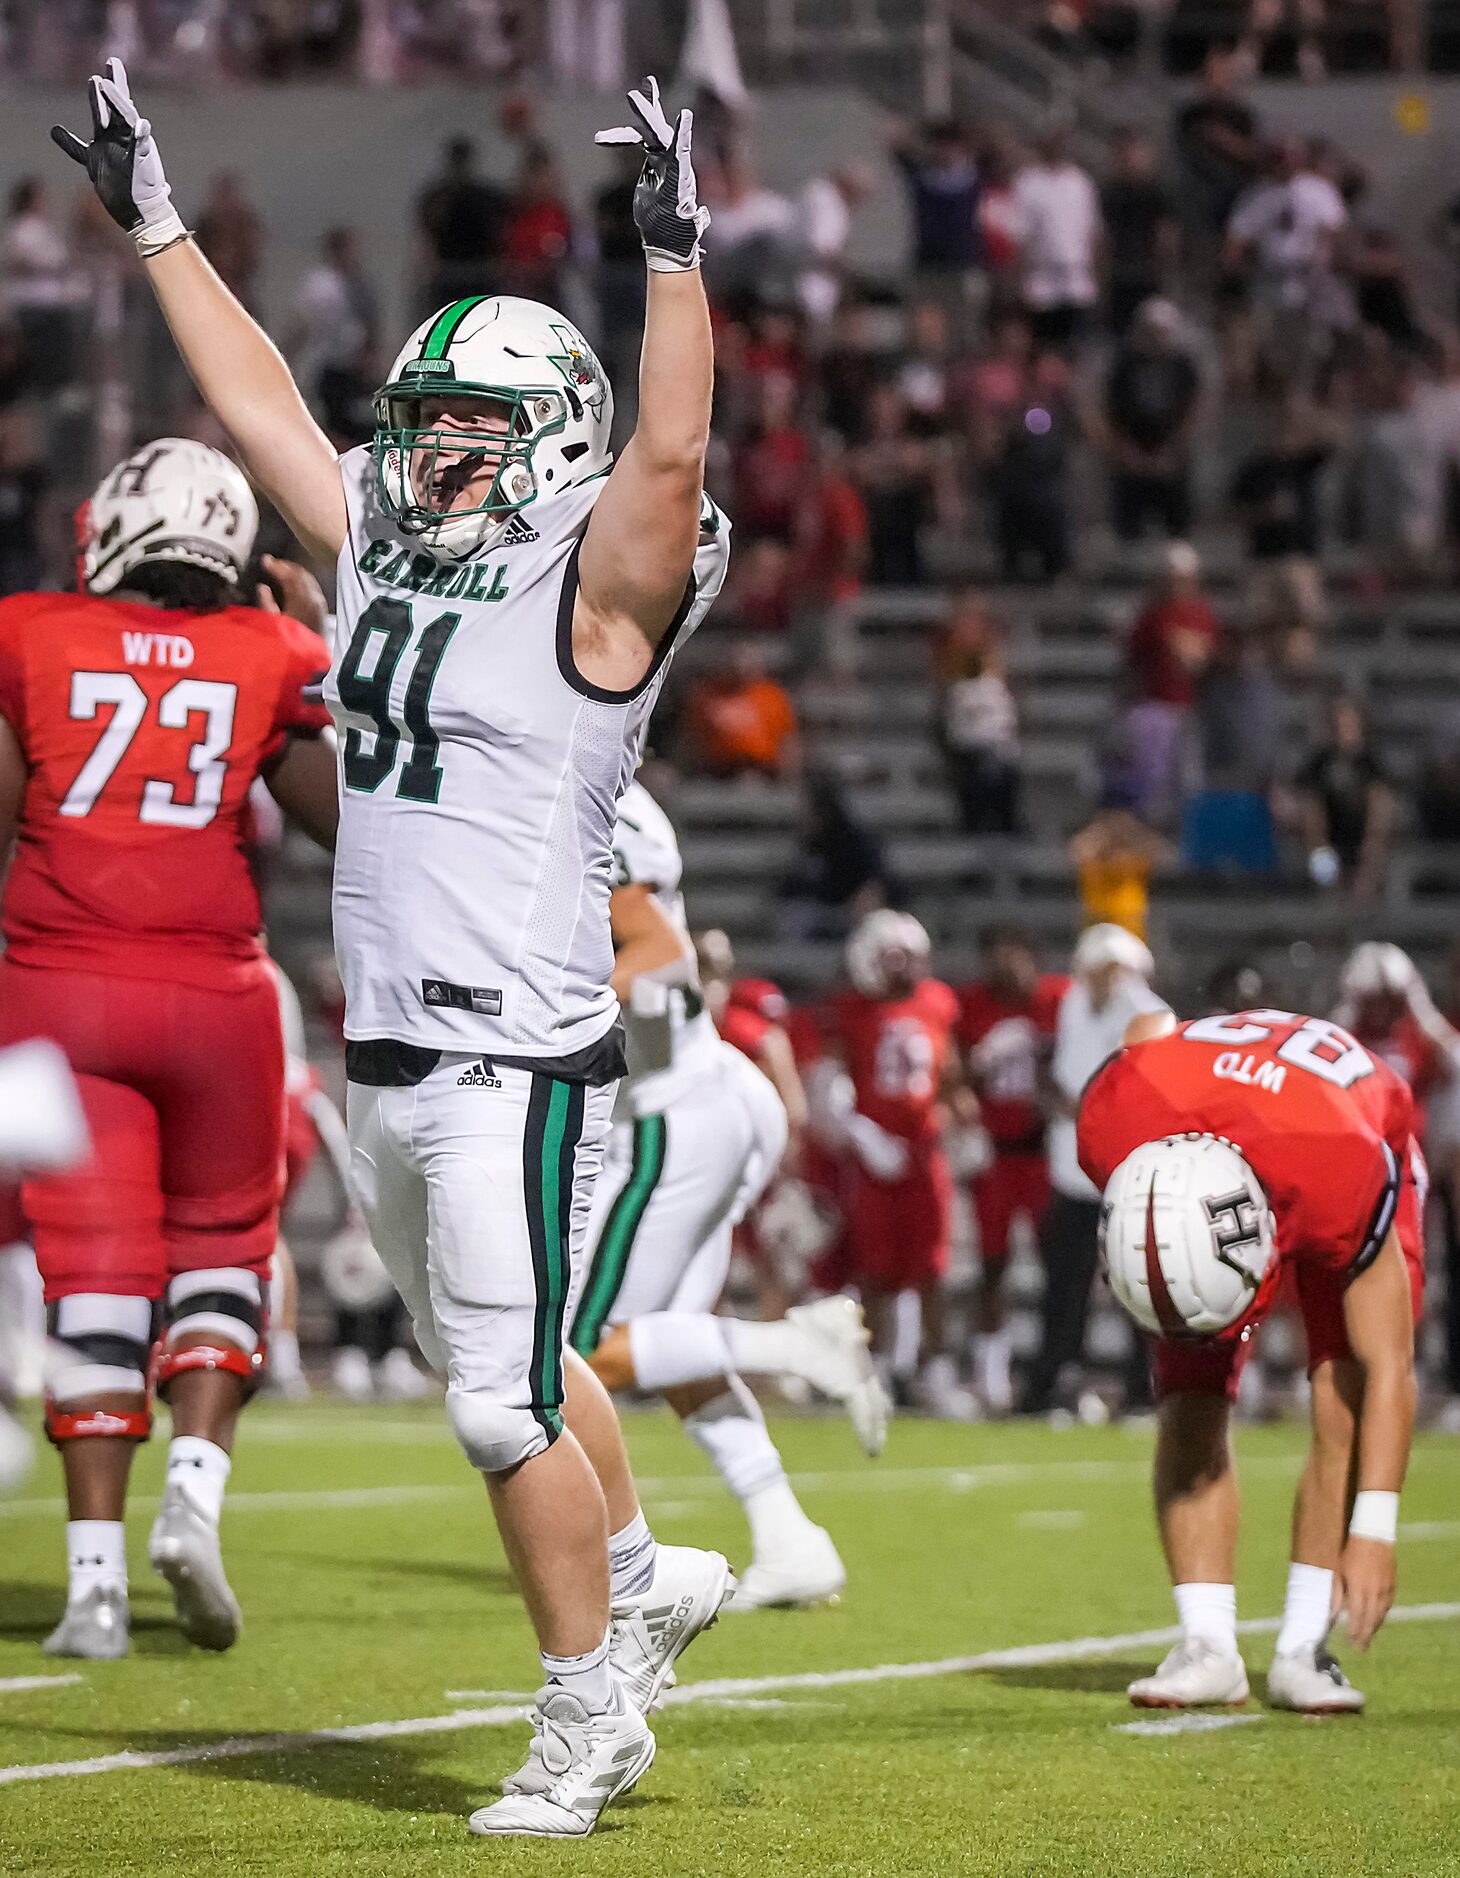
(526, 400)
(1187, 1236)
(173, 500)
(1376, 969)
(884, 944)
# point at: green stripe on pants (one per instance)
(611, 1254)
(554, 1128)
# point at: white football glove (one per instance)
(667, 209)
(883, 1155)
(123, 164)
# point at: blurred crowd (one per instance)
(1191, 364)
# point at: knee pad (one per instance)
(495, 1436)
(224, 1305)
(102, 1343)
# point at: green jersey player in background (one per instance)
(508, 598)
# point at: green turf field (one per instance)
(375, 1593)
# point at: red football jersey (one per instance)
(755, 1008)
(143, 729)
(1323, 1124)
(895, 1051)
(1412, 1054)
(1005, 1042)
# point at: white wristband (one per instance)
(152, 237)
(1375, 1516)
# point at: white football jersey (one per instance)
(672, 1040)
(480, 782)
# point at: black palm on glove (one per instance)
(122, 161)
(667, 209)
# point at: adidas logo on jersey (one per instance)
(476, 1076)
(518, 533)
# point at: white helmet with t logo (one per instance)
(493, 403)
(173, 500)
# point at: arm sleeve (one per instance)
(301, 709)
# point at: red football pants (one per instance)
(183, 1088)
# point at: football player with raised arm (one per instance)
(1234, 1151)
(508, 600)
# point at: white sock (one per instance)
(732, 1431)
(96, 1554)
(1307, 1609)
(585, 1676)
(631, 1559)
(766, 1349)
(284, 1355)
(201, 1469)
(1208, 1612)
(672, 1348)
(992, 1354)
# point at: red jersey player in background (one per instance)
(893, 1032)
(1385, 1003)
(1231, 1152)
(134, 717)
(1006, 1025)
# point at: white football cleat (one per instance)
(587, 1762)
(350, 1375)
(837, 1364)
(647, 1635)
(398, 1380)
(97, 1626)
(808, 1573)
(1196, 1674)
(184, 1550)
(936, 1391)
(1311, 1682)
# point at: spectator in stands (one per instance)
(942, 181)
(771, 463)
(824, 217)
(1276, 495)
(924, 370)
(1284, 234)
(904, 478)
(850, 369)
(1112, 972)
(539, 228)
(1346, 802)
(231, 234)
(1219, 146)
(831, 559)
(1437, 795)
(1114, 857)
(619, 274)
(978, 720)
(1024, 450)
(756, 250)
(739, 720)
(1142, 233)
(331, 343)
(41, 286)
(1401, 472)
(1241, 720)
(1146, 426)
(840, 871)
(462, 220)
(998, 164)
(1169, 648)
(1377, 269)
(1057, 223)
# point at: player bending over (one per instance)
(508, 599)
(1235, 1153)
(134, 718)
(701, 1132)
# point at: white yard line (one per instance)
(734, 1689)
(1431, 1529)
(12, 1685)
(1184, 1724)
(691, 1487)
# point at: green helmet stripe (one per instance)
(443, 328)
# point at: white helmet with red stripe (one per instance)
(887, 947)
(1187, 1236)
